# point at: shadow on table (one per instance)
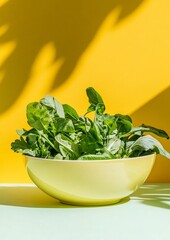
(156, 195)
(31, 196)
(27, 196)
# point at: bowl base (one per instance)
(100, 203)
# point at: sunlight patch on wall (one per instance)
(2, 2)
(6, 50)
(4, 29)
(42, 75)
(126, 61)
(1, 75)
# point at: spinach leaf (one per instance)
(68, 149)
(89, 143)
(83, 124)
(19, 145)
(147, 143)
(113, 145)
(70, 112)
(106, 124)
(38, 116)
(147, 128)
(53, 103)
(64, 125)
(124, 123)
(95, 100)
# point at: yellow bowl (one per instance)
(89, 182)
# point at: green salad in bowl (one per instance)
(84, 161)
(58, 132)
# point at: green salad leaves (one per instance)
(58, 132)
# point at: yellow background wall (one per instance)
(120, 47)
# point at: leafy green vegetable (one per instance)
(38, 116)
(95, 100)
(70, 112)
(58, 132)
(51, 102)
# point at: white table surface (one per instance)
(26, 213)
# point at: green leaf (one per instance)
(123, 117)
(149, 143)
(110, 124)
(94, 96)
(147, 128)
(106, 124)
(58, 156)
(20, 132)
(113, 145)
(69, 149)
(53, 103)
(124, 123)
(95, 100)
(70, 112)
(90, 142)
(64, 125)
(20, 146)
(83, 124)
(38, 116)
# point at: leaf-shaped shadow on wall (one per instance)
(30, 25)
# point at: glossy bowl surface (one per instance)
(89, 182)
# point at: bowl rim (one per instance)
(90, 161)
